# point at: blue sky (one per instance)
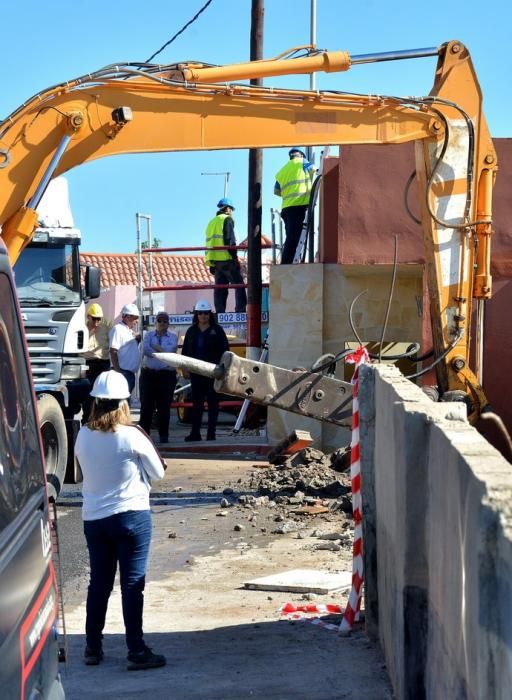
(47, 43)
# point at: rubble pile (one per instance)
(307, 478)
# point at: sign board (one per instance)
(226, 319)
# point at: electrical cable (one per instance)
(203, 8)
(408, 184)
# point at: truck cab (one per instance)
(49, 286)
(29, 600)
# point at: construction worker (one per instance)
(204, 340)
(157, 379)
(124, 344)
(293, 184)
(224, 264)
(97, 354)
(118, 463)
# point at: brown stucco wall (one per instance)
(362, 211)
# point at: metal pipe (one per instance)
(394, 55)
(246, 403)
(479, 340)
(281, 235)
(139, 264)
(175, 288)
(147, 219)
(150, 265)
(226, 180)
(212, 247)
(273, 234)
(48, 174)
(310, 151)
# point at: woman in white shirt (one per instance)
(118, 463)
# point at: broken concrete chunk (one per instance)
(302, 581)
(331, 536)
(329, 546)
(285, 528)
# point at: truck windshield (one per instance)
(48, 275)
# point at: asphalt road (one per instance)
(222, 641)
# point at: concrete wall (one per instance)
(438, 554)
(309, 316)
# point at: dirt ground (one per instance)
(222, 641)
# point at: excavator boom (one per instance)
(142, 108)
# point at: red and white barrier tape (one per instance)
(309, 613)
(351, 614)
(329, 609)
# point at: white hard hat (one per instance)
(110, 385)
(130, 310)
(203, 305)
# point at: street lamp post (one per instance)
(226, 180)
(147, 218)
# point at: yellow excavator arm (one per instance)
(142, 108)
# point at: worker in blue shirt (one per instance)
(157, 379)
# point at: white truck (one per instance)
(51, 294)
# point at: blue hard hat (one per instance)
(226, 202)
(299, 151)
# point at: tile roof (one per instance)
(121, 268)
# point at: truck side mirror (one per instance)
(92, 282)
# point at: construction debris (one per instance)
(296, 441)
(312, 480)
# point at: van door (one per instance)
(28, 591)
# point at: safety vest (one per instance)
(215, 237)
(294, 183)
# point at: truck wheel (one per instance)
(55, 442)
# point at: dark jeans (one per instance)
(293, 218)
(96, 367)
(202, 388)
(226, 272)
(156, 391)
(123, 538)
(130, 378)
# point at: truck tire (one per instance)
(55, 442)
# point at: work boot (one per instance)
(144, 660)
(92, 657)
(193, 438)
